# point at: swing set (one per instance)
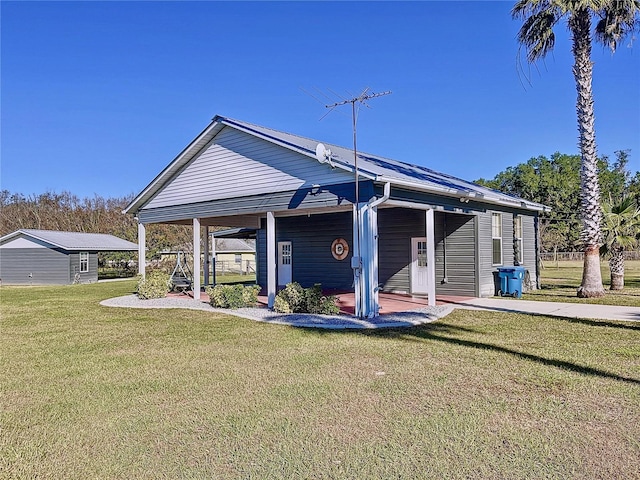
(181, 277)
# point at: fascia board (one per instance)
(450, 192)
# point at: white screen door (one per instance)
(419, 271)
(284, 263)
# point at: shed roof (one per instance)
(235, 245)
(94, 242)
(242, 233)
(370, 166)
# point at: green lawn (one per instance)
(91, 392)
(560, 282)
(248, 279)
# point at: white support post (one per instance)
(369, 306)
(196, 258)
(142, 245)
(213, 260)
(271, 259)
(206, 256)
(431, 256)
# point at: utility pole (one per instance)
(360, 99)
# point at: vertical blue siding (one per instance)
(467, 246)
(487, 271)
(486, 287)
(455, 250)
(46, 265)
(311, 258)
(396, 227)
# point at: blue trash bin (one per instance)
(511, 279)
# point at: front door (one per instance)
(284, 263)
(419, 275)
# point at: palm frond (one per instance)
(620, 225)
(618, 19)
(525, 8)
(536, 34)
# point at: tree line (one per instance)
(65, 211)
(555, 182)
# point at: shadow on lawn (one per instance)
(437, 332)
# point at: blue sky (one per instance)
(98, 97)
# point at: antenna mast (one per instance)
(360, 99)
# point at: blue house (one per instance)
(369, 223)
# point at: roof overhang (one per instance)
(465, 196)
(205, 138)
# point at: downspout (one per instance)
(373, 306)
(385, 196)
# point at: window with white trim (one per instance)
(84, 262)
(517, 240)
(496, 238)
(238, 258)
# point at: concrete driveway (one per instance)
(568, 310)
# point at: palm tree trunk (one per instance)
(580, 26)
(616, 265)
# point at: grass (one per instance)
(106, 393)
(248, 279)
(560, 281)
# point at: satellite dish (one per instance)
(323, 154)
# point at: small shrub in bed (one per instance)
(233, 296)
(292, 299)
(295, 299)
(250, 295)
(156, 284)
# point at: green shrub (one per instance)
(328, 305)
(294, 299)
(156, 284)
(293, 296)
(281, 305)
(250, 295)
(233, 296)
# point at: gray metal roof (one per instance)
(370, 166)
(94, 242)
(235, 245)
(242, 233)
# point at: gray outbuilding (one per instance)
(46, 257)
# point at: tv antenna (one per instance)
(359, 100)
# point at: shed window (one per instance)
(238, 258)
(496, 238)
(84, 262)
(517, 240)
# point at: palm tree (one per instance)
(621, 229)
(614, 21)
